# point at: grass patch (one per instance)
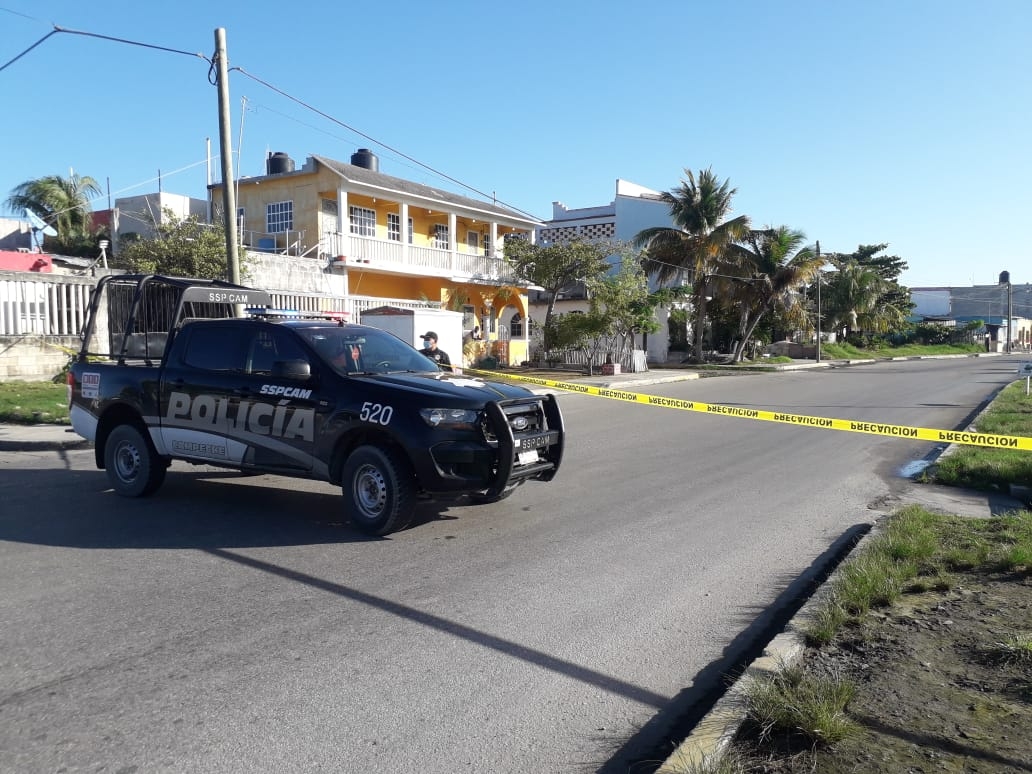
(990, 468)
(916, 551)
(843, 351)
(1014, 649)
(34, 403)
(795, 703)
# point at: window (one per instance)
(441, 236)
(516, 326)
(216, 348)
(473, 240)
(363, 221)
(268, 347)
(279, 217)
(394, 226)
(411, 230)
(487, 244)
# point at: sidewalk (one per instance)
(40, 438)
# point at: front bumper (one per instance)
(523, 439)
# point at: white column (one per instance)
(452, 241)
(404, 234)
(494, 240)
(343, 223)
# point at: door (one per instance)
(271, 422)
(198, 390)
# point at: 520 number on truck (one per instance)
(167, 371)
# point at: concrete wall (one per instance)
(32, 358)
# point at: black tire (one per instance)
(482, 498)
(379, 491)
(134, 468)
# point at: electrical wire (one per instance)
(340, 123)
(213, 79)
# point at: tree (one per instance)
(180, 247)
(624, 300)
(64, 203)
(889, 268)
(855, 300)
(697, 243)
(556, 266)
(777, 265)
(864, 293)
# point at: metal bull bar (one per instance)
(553, 452)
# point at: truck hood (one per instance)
(448, 385)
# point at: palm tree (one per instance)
(858, 298)
(697, 242)
(63, 203)
(776, 266)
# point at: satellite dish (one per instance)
(39, 226)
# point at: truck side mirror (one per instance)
(292, 369)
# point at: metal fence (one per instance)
(56, 304)
(47, 304)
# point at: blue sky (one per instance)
(904, 122)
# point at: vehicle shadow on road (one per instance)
(193, 509)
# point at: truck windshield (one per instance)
(353, 350)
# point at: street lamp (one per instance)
(820, 281)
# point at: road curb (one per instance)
(712, 736)
(17, 438)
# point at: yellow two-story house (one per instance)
(391, 239)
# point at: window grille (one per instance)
(363, 221)
(279, 217)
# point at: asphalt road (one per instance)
(237, 624)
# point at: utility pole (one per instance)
(226, 151)
(819, 303)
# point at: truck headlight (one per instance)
(449, 417)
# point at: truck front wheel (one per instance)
(379, 492)
(134, 468)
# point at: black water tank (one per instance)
(1004, 277)
(366, 159)
(278, 163)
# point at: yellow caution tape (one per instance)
(763, 415)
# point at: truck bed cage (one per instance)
(135, 316)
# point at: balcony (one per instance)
(465, 263)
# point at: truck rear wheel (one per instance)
(134, 468)
(378, 490)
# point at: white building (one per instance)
(633, 209)
(138, 214)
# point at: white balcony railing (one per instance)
(464, 262)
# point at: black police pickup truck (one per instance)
(168, 370)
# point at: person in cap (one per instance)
(435, 353)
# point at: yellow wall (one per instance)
(306, 191)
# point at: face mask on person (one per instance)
(426, 343)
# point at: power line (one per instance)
(337, 121)
(68, 31)
(211, 62)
